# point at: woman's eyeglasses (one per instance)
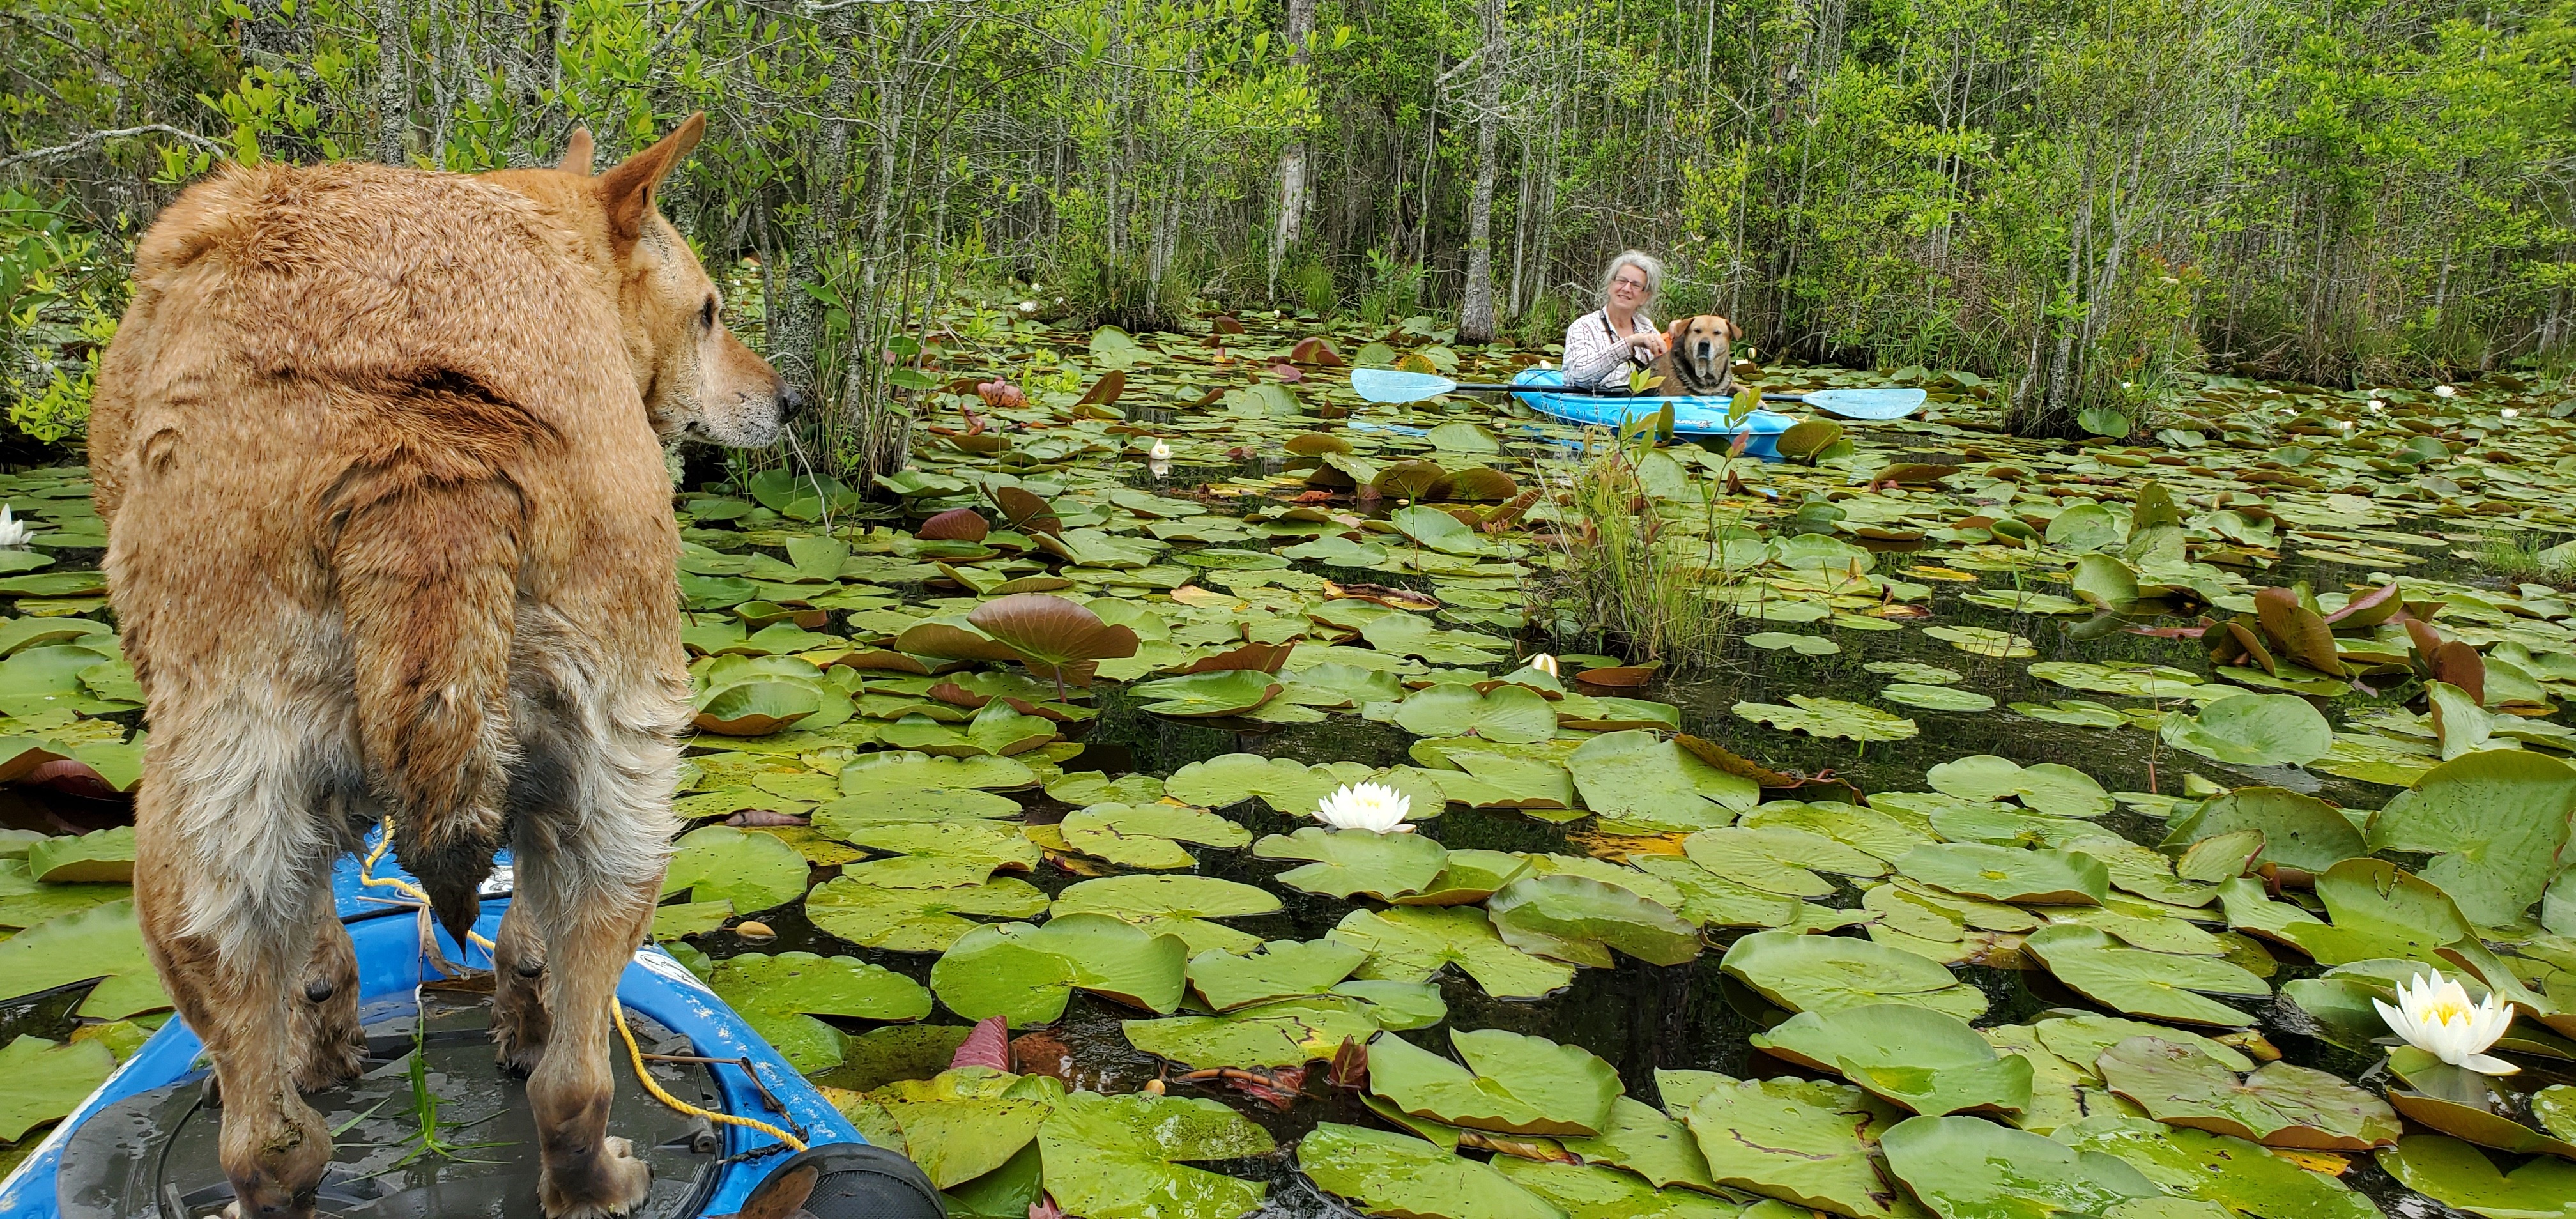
(1633, 285)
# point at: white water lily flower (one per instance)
(2511, 413)
(2377, 406)
(1544, 663)
(1374, 807)
(2345, 424)
(2446, 391)
(14, 532)
(1160, 452)
(2433, 1014)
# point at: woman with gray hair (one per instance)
(1601, 347)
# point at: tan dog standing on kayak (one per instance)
(390, 533)
(1699, 358)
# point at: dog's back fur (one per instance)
(360, 412)
(390, 533)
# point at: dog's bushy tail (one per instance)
(426, 554)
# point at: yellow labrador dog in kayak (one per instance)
(390, 534)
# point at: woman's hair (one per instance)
(1646, 264)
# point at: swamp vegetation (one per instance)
(2015, 809)
(1986, 827)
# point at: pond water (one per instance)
(2293, 523)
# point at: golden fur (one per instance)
(390, 532)
(1699, 359)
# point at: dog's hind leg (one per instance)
(329, 1044)
(519, 1022)
(232, 850)
(590, 806)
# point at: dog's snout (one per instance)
(791, 401)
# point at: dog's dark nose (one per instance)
(791, 401)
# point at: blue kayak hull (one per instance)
(1698, 418)
(390, 965)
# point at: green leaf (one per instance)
(1116, 1157)
(47, 1081)
(752, 870)
(916, 920)
(1175, 905)
(1511, 714)
(2231, 1172)
(1589, 1191)
(2278, 1104)
(1651, 785)
(1827, 973)
(2142, 983)
(1966, 1168)
(102, 856)
(1214, 693)
(1579, 919)
(2495, 821)
(1829, 717)
(1026, 973)
(2253, 730)
(1803, 1142)
(780, 996)
(1413, 943)
(1922, 1061)
(2004, 874)
(1280, 1034)
(1396, 1174)
(2380, 911)
(2299, 831)
(2459, 1175)
(1511, 1083)
(1346, 862)
(103, 942)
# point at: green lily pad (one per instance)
(1590, 1191)
(900, 771)
(1922, 1061)
(1651, 785)
(1937, 698)
(1027, 974)
(1983, 641)
(27, 902)
(752, 870)
(1283, 969)
(1149, 835)
(1967, 1168)
(1828, 973)
(1413, 943)
(1777, 859)
(780, 996)
(47, 1081)
(1579, 919)
(1283, 1033)
(1807, 1143)
(2161, 985)
(1174, 905)
(2135, 681)
(1214, 693)
(1511, 1083)
(2299, 831)
(2230, 1172)
(1436, 529)
(974, 848)
(1118, 1157)
(1346, 862)
(1293, 787)
(998, 730)
(758, 708)
(1804, 645)
(2279, 1104)
(916, 920)
(2495, 822)
(104, 943)
(2253, 730)
(1643, 1140)
(2004, 874)
(2379, 911)
(2457, 1174)
(1829, 717)
(101, 856)
(961, 1124)
(1511, 714)
(1397, 1174)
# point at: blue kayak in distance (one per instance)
(1698, 418)
(144, 1143)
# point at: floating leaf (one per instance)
(2165, 986)
(1219, 692)
(2005, 875)
(2379, 911)
(1829, 717)
(1026, 974)
(2299, 831)
(1512, 1083)
(780, 996)
(1397, 1174)
(2496, 821)
(1579, 919)
(1117, 1157)
(1967, 1168)
(1923, 1061)
(1413, 943)
(1828, 973)
(2254, 730)
(1176, 905)
(48, 1081)
(103, 942)
(2459, 1175)
(916, 920)
(1510, 714)
(1803, 1142)
(2278, 1104)
(1346, 862)
(754, 871)
(1654, 785)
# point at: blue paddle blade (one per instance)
(1390, 385)
(1865, 403)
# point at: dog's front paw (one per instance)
(334, 1060)
(613, 1183)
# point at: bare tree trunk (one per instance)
(393, 82)
(1476, 321)
(1292, 160)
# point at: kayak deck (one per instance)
(1697, 417)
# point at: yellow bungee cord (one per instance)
(635, 1053)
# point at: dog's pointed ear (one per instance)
(1673, 333)
(577, 153)
(626, 192)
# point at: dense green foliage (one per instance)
(2086, 200)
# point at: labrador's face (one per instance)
(1707, 342)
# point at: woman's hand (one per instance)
(1647, 347)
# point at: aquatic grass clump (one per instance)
(2525, 557)
(1616, 569)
